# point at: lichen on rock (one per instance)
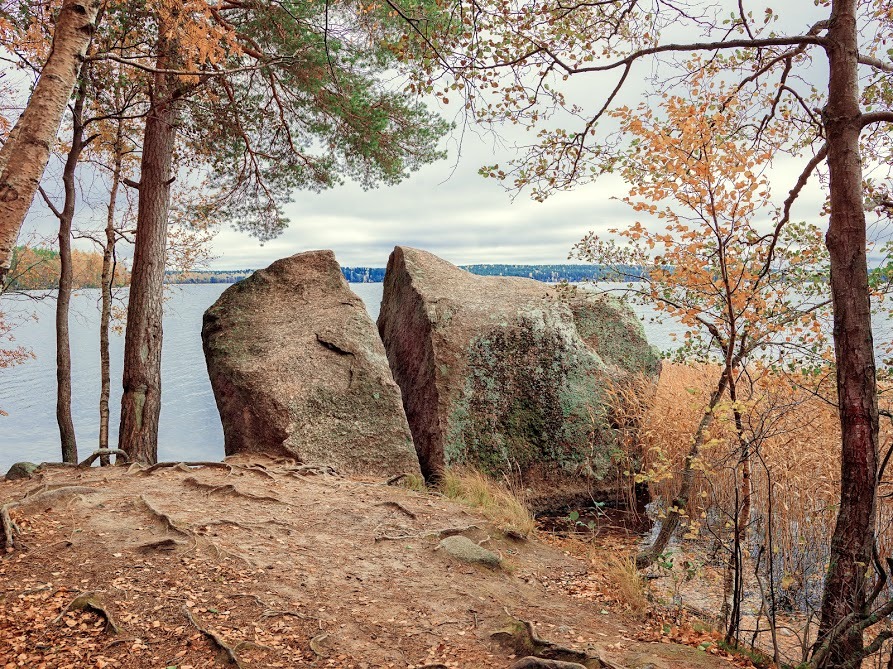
(507, 374)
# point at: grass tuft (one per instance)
(413, 482)
(499, 504)
(631, 588)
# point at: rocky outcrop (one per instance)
(21, 470)
(507, 374)
(298, 370)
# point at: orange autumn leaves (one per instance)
(713, 252)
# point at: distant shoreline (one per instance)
(545, 273)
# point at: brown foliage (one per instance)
(36, 268)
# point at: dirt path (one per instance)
(263, 564)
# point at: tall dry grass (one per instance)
(794, 462)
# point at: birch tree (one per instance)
(24, 154)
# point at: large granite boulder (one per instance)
(509, 374)
(298, 370)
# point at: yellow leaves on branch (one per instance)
(203, 37)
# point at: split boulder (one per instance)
(298, 370)
(509, 374)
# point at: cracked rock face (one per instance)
(508, 374)
(298, 370)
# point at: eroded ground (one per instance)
(267, 564)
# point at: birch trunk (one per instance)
(24, 156)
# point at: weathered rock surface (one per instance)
(21, 470)
(507, 374)
(298, 370)
(464, 549)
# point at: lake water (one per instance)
(190, 425)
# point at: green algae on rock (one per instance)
(507, 374)
(299, 371)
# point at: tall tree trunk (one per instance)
(851, 544)
(141, 402)
(63, 301)
(108, 282)
(24, 156)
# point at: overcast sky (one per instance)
(448, 209)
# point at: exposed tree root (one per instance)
(222, 552)
(120, 457)
(248, 527)
(162, 545)
(11, 530)
(216, 639)
(91, 601)
(189, 466)
(248, 595)
(146, 471)
(445, 532)
(316, 644)
(278, 614)
(312, 470)
(48, 487)
(169, 522)
(228, 489)
(520, 637)
(57, 492)
(260, 470)
(399, 507)
(539, 663)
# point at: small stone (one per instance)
(463, 548)
(21, 470)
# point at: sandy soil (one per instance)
(264, 564)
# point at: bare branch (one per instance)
(694, 46)
(185, 73)
(49, 202)
(877, 117)
(876, 63)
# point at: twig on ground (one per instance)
(399, 507)
(445, 532)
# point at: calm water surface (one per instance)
(190, 425)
